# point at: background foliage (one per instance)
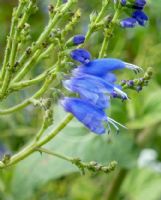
(42, 177)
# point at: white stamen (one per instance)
(135, 68)
(112, 120)
(123, 94)
(114, 125)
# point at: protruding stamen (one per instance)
(123, 94)
(110, 119)
(114, 125)
(135, 68)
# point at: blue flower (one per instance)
(91, 116)
(81, 55)
(101, 67)
(128, 22)
(78, 39)
(93, 89)
(140, 16)
(95, 84)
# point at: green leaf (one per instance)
(142, 184)
(151, 110)
(75, 141)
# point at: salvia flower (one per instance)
(92, 117)
(88, 114)
(81, 55)
(101, 67)
(95, 84)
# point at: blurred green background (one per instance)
(137, 151)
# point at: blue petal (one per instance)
(128, 22)
(140, 16)
(100, 67)
(110, 77)
(100, 100)
(90, 83)
(92, 117)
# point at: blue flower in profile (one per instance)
(101, 67)
(128, 22)
(94, 83)
(81, 55)
(140, 16)
(78, 39)
(85, 84)
(93, 89)
(92, 117)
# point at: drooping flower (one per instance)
(92, 117)
(101, 67)
(94, 83)
(81, 55)
(93, 89)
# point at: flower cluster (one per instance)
(95, 83)
(138, 17)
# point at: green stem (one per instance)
(15, 15)
(109, 32)
(43, 150)
(32, 147)
(41, 39)
(41, 77)
(97, 20)
(14, 45)
(27, 102)
(28, 66)
(116, 184)
(45, 53)
(17, 32)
